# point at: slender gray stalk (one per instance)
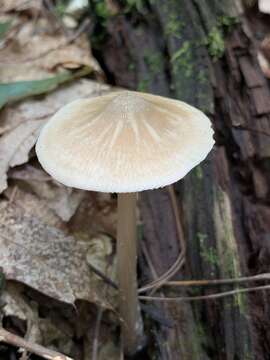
(131, 320)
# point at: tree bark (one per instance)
(205, 52)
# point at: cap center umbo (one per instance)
(127, 105)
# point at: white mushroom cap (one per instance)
(264, 6)
(124, 142)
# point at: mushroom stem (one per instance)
(131, 320)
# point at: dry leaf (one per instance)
(99, 248)
(15, 147)
(37, 51)
(45, 107)
(21, 123)
(39, 47)
(48, 260)
(35, 54)
(31, 204)
(62, 200)
(101, 209)
(20, 5)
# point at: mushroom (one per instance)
(124, 142)
(264, 6)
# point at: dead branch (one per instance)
(204, 297)
(181, 257)
(260, 277)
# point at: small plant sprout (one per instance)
(124, 142)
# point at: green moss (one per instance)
(198, 172)
(215, 39)
(200, 331)
(154, 62)
(230, 267)
(215, 43)
(4, 28)
(184, 50)
(195, 291)
(131, 66)
(137, 5)
(173, 26)
(182, 60)
(208, 253)
(60, 8)
(140, 232)
(102, 9)
(241, 303)
(202, 237)
(199, 340)
(143, 85)
(202, 77)
(248, 356)
(228, 22)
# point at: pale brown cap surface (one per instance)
(264, 6)
(124, 142)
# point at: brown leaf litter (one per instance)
(20, 124)
(49, 260)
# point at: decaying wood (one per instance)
(204, 297)
(177, 48)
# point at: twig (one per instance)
(214, 282)
(163, 347)
(186, 283)
(148, 260)
(163, 278)
(180, 235)
(154, 313)
(181, 257)
(176, 212)
(204, 297)
(9, 338)
(96, 334)
(103, 276)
